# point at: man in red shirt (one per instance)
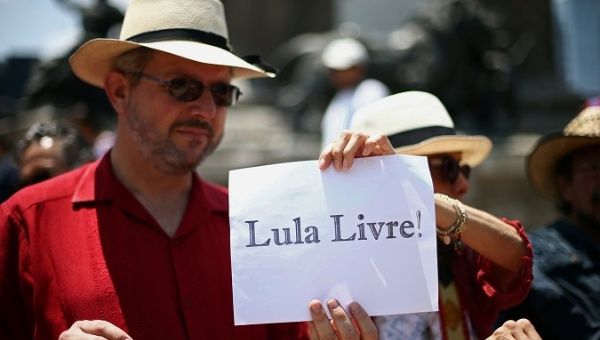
(136, 242)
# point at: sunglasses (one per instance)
(187, 90)
(450, 167)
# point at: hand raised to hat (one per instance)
(350, 145)
(94, 329)
(352, 324)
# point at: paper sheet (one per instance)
(366, 234)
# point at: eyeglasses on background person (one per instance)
(450, 168)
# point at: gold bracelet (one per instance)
(454, 231)
(462, 226)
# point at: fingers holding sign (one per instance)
(350, 145)
(518, 330)
(357, 325)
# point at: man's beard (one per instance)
(164, 154)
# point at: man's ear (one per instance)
(118, 90)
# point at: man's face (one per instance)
(350, 77)
(176, 135)
(582, 191)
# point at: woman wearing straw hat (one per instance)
(484, 263)
(564, 301)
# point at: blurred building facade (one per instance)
(578, 48)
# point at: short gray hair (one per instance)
(132, 63)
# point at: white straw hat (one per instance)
(581, 132)
(191, 29)
(417, 123)
(343, 53)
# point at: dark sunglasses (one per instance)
(187, 90)
(450, 167)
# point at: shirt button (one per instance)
(187, 302)
(176, 243)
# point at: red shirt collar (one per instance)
(87, 191)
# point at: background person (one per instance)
(484, 263)
(9, 171)
(49, 149)
(564, 302)
(346, 61)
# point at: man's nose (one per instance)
(204, 106)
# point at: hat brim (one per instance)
(542, 161)
(94, 59)
(474, 149)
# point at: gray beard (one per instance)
(157, 147)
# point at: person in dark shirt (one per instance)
(564, 301)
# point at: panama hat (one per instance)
(191, 29)
(581, 132)
(417, 123)
(343, 53)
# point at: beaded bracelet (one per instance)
(454, 231)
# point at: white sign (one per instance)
(366, 234)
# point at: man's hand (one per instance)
(352, 145)
(94, 330)
(516, 330)
(356, 326)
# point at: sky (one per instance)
(39, 28)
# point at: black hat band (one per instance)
(418, 135)
(182, 34)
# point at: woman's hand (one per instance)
(350, 145)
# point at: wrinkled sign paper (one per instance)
(366, 234)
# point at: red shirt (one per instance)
(477, 286)
(80, 246)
